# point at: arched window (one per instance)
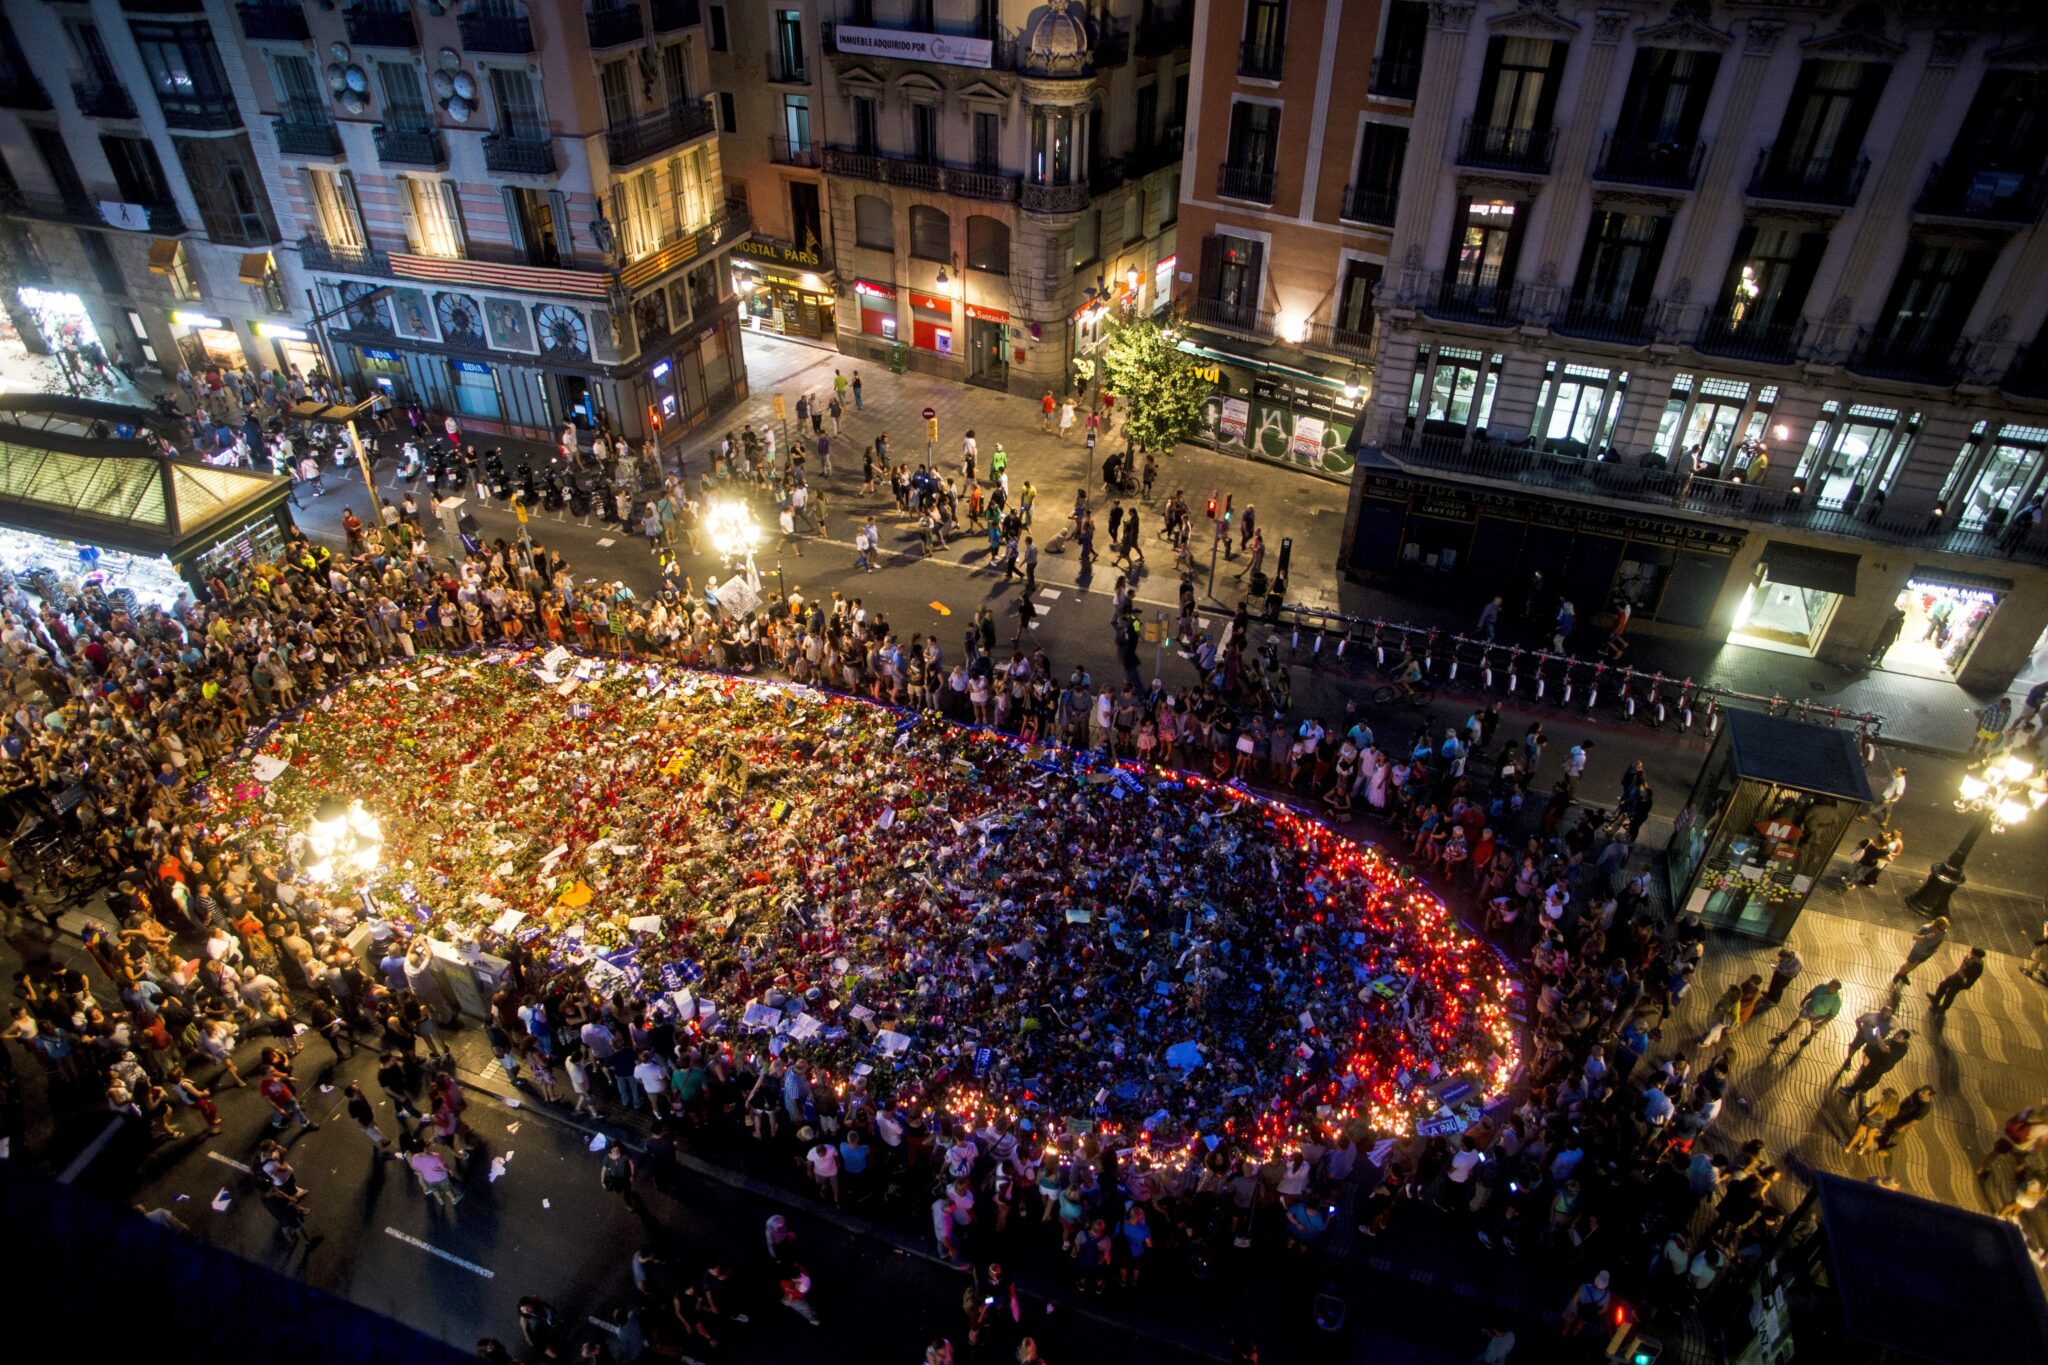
(931, 233)
(873, 225)
(988, 245)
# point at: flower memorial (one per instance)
(956, 918)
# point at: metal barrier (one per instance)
(1547, 677)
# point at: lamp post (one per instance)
(343, 837)
(319, 324)
(2005, 792)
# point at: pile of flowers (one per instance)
(964, 920)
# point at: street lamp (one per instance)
(343, 836)
(2004, 792)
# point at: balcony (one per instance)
(1252, 184)
(912, 174)
(1231, 317)
(2028, 376)
(1261, 61)
(511, 34)
(1604, 320)
(163, 220)
(670, 15)
(1644, 479)
(401, 146)
(23, 91)
(516, 154)
(318, 253)
(1769, 343)
(1925, 354)
(1366, 205)
(1835, 179)
(1349, 341)
(102, 99)
(1396, 76)
(1501, 147)
(1630, 160)
(1056, 198)
(269, 21)
(1980, 194)
(205, 116)
(300, 134)
(660, 131)
(381, 27)
(1156, 155)
(783, 152)
(615, 25)
(1486, 300)
(1112, 47)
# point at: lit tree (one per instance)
(1164, 394)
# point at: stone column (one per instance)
(1429, 152)
(1570, 171)
(1729, 160)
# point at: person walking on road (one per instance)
(1045, 411)
(616, 1174)
(855, 385)
(1927, 941)
(1066, 419)
(1489, 618)
(1879, 1060)
(1030, 566)
(1872, 1027)
(2024, 1133)
(1889, 798)
(1961, 979)
(1819, 1009)
(1783, 972)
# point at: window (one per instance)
(924, 133)
(728, 113)
(931, 233)
(1455, 386)
(1482, 265)
(433, 216)
(1382, 151)
(1145, 125)
(1618, 266)
(1134, 218)
(921, 15)
(228, 186)
(57, 157)
(873, 226)
(796, 122)
(105, 268)
(786, 55)
(1398, 72)
(1254, 136)
(1830, 110)
(1518, 89)
(517, 104)
(177, 272)
(405, 100)
(988, 144)
(184, 69)
(1769, 276)
(1231, 276)
(1666, 99)
(299, 94)
(539, 224)
(92, 52)
(1265, 37)
(333, 196)
(1052, 149)
(2003, 143)
(719, 41)
(866, 122)
(1931, 297)
(675, 73)
(1354, 297)
(1087, 237)
(614, 81)
(137, 173)
(806, 215)
(1171, 215)
(988, 245)
(1575, 403)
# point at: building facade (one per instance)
(512, 213)
(1288, 205)
(1751, 295)
(137, 204)
(1000, 176)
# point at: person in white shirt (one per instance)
(823, 1160)
(653, 1078)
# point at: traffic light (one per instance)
(1212, 509)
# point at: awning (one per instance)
(163, 256)
(255, 267)
(1804, 566)
(1956, 578)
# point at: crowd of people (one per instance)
(1602, 1164)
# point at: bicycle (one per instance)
(1419, 697)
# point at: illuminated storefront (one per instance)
(784, 290)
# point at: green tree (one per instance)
(1163, 393)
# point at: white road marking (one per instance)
(229, 1161)
(605, 542)
(433, 1250)
(1051, 593)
